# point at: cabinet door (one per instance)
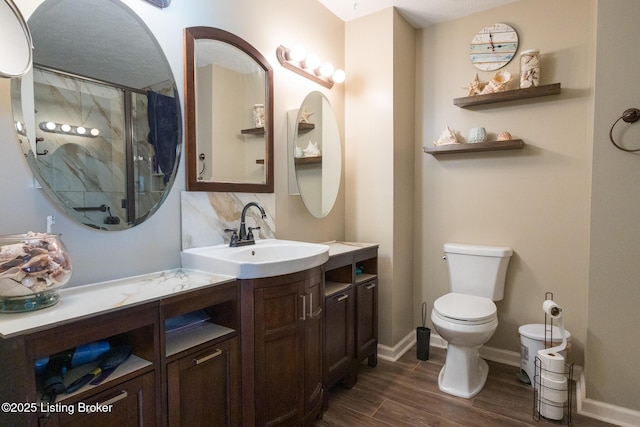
(130, 404)
(313, 347)
(203, 387)
(279, 353)
(339, 332)
(367, 321)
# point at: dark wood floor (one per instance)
(405, 393)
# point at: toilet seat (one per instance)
(465, 309)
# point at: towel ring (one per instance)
(630, 115)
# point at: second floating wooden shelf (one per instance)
(509, 95)
(510, 144)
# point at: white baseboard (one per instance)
(394, 353)
(604, 411)
(588, 407)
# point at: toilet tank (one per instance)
(477, 270)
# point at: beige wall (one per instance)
(613, 341)
(379, 171)
(535, 200)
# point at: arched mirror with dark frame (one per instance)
(228, 113)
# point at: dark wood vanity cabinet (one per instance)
(282, 349)
(130, 393)
(351, 313)
(187, 377)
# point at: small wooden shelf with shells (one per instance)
(507, 95)
(510, 144)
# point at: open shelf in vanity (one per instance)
(196, 319)
(129, 389)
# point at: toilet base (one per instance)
(467, 374)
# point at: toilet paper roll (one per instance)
(551, 365)
(563, 335)
(551, 410)
(552, 309)
(553, 390)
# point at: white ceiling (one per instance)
(420, 13)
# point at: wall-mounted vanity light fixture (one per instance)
(310, 66)
(66, 129)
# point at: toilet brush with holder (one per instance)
(553, 377)
(423, 336)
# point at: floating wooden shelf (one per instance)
(511, 144)
(308, 160)
(306, 126)
(509, 95)
(252, 131)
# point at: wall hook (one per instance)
(40, 153)
(204, 165)
(630, 115)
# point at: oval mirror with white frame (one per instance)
(98, 117)
(16, 56)
(317, 154)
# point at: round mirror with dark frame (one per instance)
(228, 113)
(98, 117)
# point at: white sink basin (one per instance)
(270, 257)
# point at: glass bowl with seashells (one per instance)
(33, 267)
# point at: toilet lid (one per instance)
(468, 308)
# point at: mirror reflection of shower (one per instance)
(119, 165)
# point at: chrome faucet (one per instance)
(244, 238)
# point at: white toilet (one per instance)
(467, 317)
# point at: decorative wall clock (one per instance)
(493, 47)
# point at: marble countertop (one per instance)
(339, 248)
(100, 297)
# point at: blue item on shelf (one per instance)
(85, 353)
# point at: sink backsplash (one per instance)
(205, 216)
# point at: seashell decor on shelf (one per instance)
(504, 136)
(312, 150)
(447, 137)
(476, 135)
(498, 83)
(475, 87)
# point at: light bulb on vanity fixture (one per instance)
(68, 129)
(309, 66)
(298, 53)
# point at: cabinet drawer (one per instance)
(366, 319)
(130, 404)
(339, 335)
(203, 387)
